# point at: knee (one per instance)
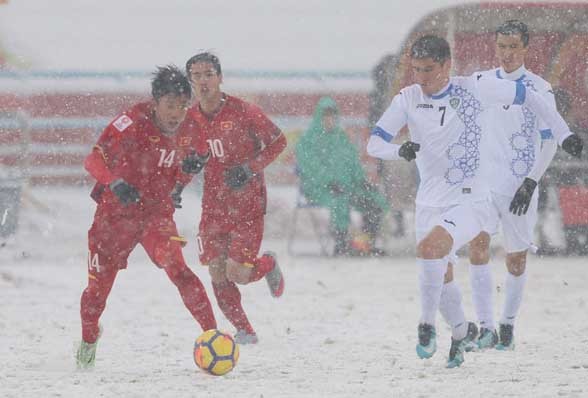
(516, 263)
(217, 271)
(480, 249)
(238, 273)
(434, 247)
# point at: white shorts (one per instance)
(518, 231)
(463, 222)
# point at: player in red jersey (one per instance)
(137, 161)
(242, 141)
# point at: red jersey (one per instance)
(239, 133)
(133, 148)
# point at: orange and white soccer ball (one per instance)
(216, 352)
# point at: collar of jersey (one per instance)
(517, 75)
(444, 92)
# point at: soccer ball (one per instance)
(216, 352)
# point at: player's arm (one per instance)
(273, 143)
(500, 92)
(548, 144)
(198, 155)
(98, 163)
(522, 199)
(380, 144)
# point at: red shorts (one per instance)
(239, 241)
(114, 234)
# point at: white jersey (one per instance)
(448, 127)
(515, 133)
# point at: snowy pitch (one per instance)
(344, 327)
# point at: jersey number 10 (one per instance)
(216, 148)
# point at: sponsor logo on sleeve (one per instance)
(122, 123)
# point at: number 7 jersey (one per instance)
(448, 126)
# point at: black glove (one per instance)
(238, 176)
(408, 150)
(194, 163)
(520, 203)
(573, 145)
(125, 192)
(176, 196)
(336, 188)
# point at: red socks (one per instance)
(262, 265)
(93, 302)
(229, 300)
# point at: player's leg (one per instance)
(243, 264)
(454, 227)
(483, 289)
(518, 239)
(213, 246)
(431, 276)
(228, 298)
(164, 246)
(105, 257)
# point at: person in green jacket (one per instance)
(332, 176)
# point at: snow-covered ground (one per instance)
(344, 328)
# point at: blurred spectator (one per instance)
(399, 177)
(332, 176)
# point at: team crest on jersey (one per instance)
(228, 125)
(454, 102)
(122, 123)
(185, 141)
(154, 138)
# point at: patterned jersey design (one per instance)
(523, 146)
(522, 142)
(465, 153)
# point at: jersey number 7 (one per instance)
(442, 109)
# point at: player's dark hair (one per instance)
(170, 80)
(514, 27)
(431, 46)
(204, 57)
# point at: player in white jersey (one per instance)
(522, 149)
(443, 115)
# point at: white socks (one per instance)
(514, 287)
(452, 310)
(431, 275)
(482, 294)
